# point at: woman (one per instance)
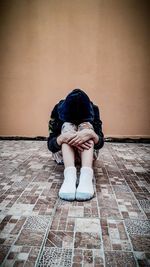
(75, 131)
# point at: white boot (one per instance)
(85, 188)
(68, 188)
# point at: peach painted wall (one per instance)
(49, 47)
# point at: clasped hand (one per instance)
(82, 139)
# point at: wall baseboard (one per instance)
(128, 139)
(34, 138)
(119, 139)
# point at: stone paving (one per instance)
(39, 229)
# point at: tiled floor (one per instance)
(39, 229)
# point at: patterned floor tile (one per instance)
(36, 188)
(138, 169)
(21, 209)
(44, 176)
(114, 235)
(7, 201)
(37, 223)
(63, 223)
(9, 227)
(145, 185)
(129, 207)
(107, 206)
(34, 222)
(145, 204)
(137, 227)
(87, 225)
(120, 259)
(88, 240)
(86, 209)
(27, 199)
(117, 180)
(22, 256)
(89, 257)
(60, 239)
(56, 257)
(107, 201)
(121, 188)
(144, 201)
(140, 243)
(110, 213)
(139, 232)
(3, 252)
(76, 211)
(30, 238)
(136, 186)
(45, 205)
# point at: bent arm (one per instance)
(97, 125)
(54, 129)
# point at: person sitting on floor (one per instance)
(75, 132)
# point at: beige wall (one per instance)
(49, 47)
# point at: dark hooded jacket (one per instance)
(76, 108)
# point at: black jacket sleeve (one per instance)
(55, 124)
(97, 124)
(54, 128)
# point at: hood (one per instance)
(76, 108)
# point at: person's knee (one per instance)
(85, 125)
(68, 127)
(92, 143)
(66, 147)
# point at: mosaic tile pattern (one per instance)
(89, 257)
(118, 259)
(22, 256)
(137, 227)
(87, 240)
(86, 209)
(56, 257)
(39, 229)
(115, 236)
(60, 239)
(37, 223)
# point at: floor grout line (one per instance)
(110, 165)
